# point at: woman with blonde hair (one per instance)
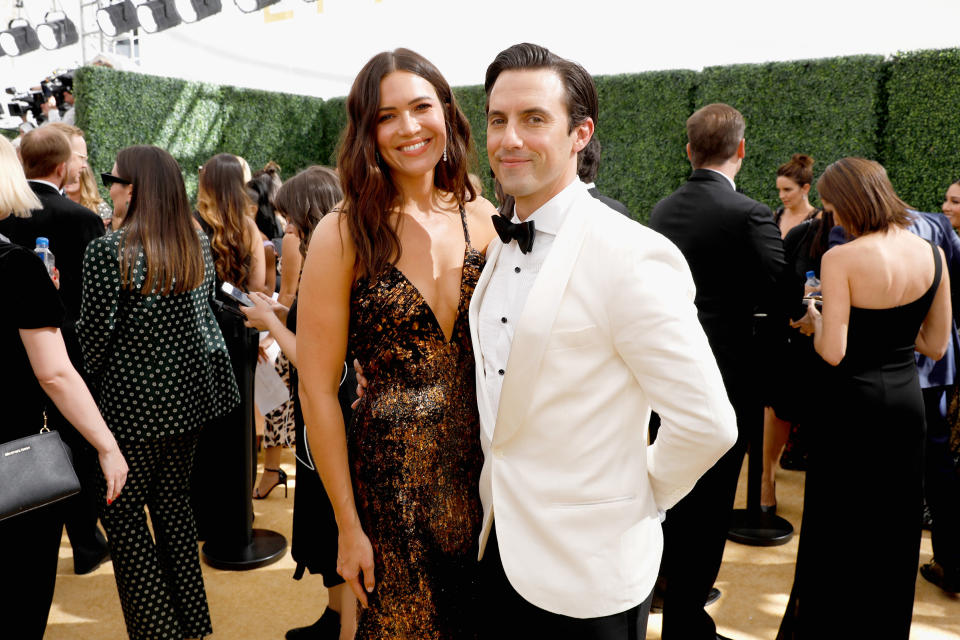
(223, 209)
(36, 367)
(84, 192)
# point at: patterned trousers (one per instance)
(158, 577)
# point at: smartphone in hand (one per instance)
(237, 294)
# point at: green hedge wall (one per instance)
(826, 108)
(473, 101)
(643, 137)
(922, 135)
(900, 112)
(195, 120)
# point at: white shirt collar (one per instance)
(550, 216)
(726, 177)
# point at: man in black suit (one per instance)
(735, 253)
(588, 164)
(52, 157)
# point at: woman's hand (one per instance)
(114, 468)
(355, 557)
(810, 321)
(264, 311)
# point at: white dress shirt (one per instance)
(510, 283)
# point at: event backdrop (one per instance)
(900, 111)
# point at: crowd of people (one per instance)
(469, 383)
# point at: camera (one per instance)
(32, 101)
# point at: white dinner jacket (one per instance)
(609, 330)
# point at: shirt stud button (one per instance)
(516, 269)
(503, 320)
(501, 372)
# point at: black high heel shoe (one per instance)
(281, 479)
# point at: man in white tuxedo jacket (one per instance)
(579, 325)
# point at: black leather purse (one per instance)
(35, 471)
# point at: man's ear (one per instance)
(689, 153)
(583, 133)
(742, 148)
(61, 172)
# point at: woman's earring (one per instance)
(444, 154)
(376, 153)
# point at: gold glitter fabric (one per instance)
(414, 450)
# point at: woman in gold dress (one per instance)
(388, 279)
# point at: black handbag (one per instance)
(35, 471)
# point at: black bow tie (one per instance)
(522, 232)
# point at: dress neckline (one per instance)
(467, 250)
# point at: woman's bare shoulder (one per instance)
(332, 234)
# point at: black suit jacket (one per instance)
(69, 227)
(735, 254)
(616, 205)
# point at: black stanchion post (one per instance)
(751, 525)
(234, 544)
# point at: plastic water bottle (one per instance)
(43, 250)
(812, 286)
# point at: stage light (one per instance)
(249, 6)
(193, 10)
(157, 15)
(118, 18)
(57, 31)
(20, 39)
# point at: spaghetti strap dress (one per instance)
(860, 533)
(415, 458)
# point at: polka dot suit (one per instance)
(160, 369)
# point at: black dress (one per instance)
(864, 469)
(221, 508)
(798, 369)
(415, 459)
(314, 540)
(31, 540)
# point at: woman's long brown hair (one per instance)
(369, 192)
(223, 204)
(159, 222)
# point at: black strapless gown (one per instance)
(860, 533)
(415, 458)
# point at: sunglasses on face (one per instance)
(110, 179)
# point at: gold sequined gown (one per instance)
(414, 451)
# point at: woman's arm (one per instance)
(269, 267)
(934, 337)
(256, 281)
(830, 337)
(290, 265)
(264, 315)
(324, 304)
(62, 383)
(99, 305)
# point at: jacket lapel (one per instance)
(536, 321)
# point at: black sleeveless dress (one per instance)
(860, 533)
(415, 458)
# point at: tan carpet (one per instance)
(264, 603)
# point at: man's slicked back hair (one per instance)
(581, 93)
